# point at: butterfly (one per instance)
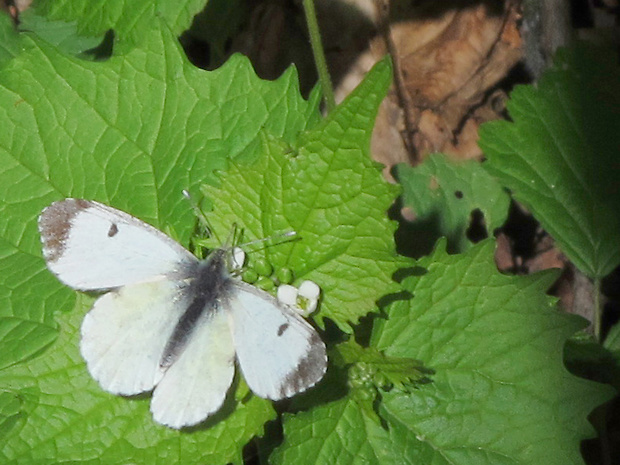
(171, 323)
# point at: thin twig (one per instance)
(319, 55)
(404, 102)
(598, 311)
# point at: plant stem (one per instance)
(319, 55)
(598, 311)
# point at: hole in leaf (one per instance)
(477, 229)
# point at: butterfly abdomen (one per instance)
(211, 285)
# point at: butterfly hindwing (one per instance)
(279, 353)
(195, 385)
(91, 246)
(126, 331)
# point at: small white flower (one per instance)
(303, 300)
(310, 290)
(287, 294)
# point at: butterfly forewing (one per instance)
(91, 246)
(280, 353)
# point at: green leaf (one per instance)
(65, 417)
(342, 432)
(9, 39)
(560, 155)
(27, 298)
(443, 194)
(500, 392)
(58, 33)
(329, 191)
(10, 410)
(162, 127)
(612, 340)
(587, 358)
(129, 19)
(372, 368)
(133, 132)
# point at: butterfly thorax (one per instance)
(204, 295)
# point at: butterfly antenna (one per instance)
(265, 239)
(233, 237)
(200, 215)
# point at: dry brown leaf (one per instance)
(447, 62)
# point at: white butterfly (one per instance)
(172, 323)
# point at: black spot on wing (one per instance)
(283, 327)
(113, 230)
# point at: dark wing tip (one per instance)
(309, 371)
(55, 223)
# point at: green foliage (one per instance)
(164, 126)
(342, 432)
(612, 341)
(490, 339)
(559, 156)
(495, 343)
(58, 414)
(443, 194)
(462, 367)
(9, 41)
(61, 34)
(332, 195)
(375, 368)
(129, 19)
